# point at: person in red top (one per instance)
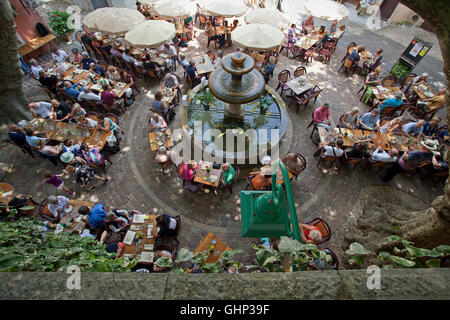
(322, 116)
(108, 97)
(310, 234)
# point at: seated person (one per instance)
(167, 226)
(128, 57)
(112, 73)
(71, 89)
(115, 227)
(358, 151)
(349, 119)
(49, 152)
(308, 22)
(440, 165)
(87, 94)
(115, 51)
(69, 146)
(355, 55)
(108, 97)
(183, 61)
(95, 68)
(376, 60)
(370, 82)
(310, 234)
(393, 126)
(76, 112)
(150, 65)
(414, 128)
(228, 174)
(32, 138)
(382, 156)
(443, 135)
(171, 52)
(160, 105)
(262, 180)
(41, 109)
(189, 169)
(431, 127)
(56, 205)
(77, 57)
(60, 55)
(268, 69)
(321, 116)
(61, 111)
(96, 216)
(190, 70)
(35, 68)
(86, 61)
(369, 120)
(292, 163)
(156, 122)
(171, 81)
(338, 34)
(392, 102)
(106, 124)
(162, 155)
(336, 151)
(49, 82)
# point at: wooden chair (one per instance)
(314, 95)
(175, 237)
(180, 168)
(325, 54)
(323, 227)
(98, 53)
(406, 82)
(300, 101)
(388, 81)
(117, 61)
(314, 124)
(347, 65)
(152, 76)
(44, 213)
(165, 164)
(377, 164)
(350, 47)
(49, 92)
(308, 55)
(299, 72)
(139, 72)
(352, 161)
(302, 165)
(202, 20)
(283, 77)
(330, 159)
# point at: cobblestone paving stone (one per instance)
(138, 183)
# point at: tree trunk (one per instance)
(433, 225)
(13, 104)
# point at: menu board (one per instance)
(416, 50)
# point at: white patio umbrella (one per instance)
(116, 21)
(151, 3)
(257, 36)
(293, 8)
(272, 17)
(151, 33)
(224, 8)
(326, 9)
(90, 19)
(177, 9)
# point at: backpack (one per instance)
(42, 30)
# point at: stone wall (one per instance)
(329, 285)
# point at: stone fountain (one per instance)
(235, 101)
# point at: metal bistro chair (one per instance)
(300, 101)
(299, 72)
(236, 177)
(323, 227)
(330, 159)
(283, 77)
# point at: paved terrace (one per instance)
(138, 183)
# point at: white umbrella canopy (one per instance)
(226, 9)
(151, 33)
(151, 2)
(326, 10)
(272, 17)
(177, 9)
(117, 21)
(293, 8)
(90, 19)
(257, 36)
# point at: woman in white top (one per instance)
(349, 119)
(156, 122)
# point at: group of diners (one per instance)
(109, 226)
(425, 141)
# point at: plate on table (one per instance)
(96, 87)
(68, 78)
(68, 208)
(163, 55)
(78, 71)
(428, 94)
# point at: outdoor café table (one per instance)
(280, 179)
(223, 30)
(72, 219)
(218, 248)
(168, 94)
(6, 192)
(299, 88)
(383, 93)
(47, 126)
(71, 131)
(306, 42)
(98, 138)
(423, 90)
(159, 138)
(365, 56)
(351, 136)
(136, 247)
(403, 143)
(203, 177)
(203, 64)
(86, 78)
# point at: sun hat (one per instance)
(265, 160)
(67, 157)
(429, 144)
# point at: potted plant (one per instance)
(58, 23)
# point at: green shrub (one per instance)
(58, 22)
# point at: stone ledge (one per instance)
(319, 285)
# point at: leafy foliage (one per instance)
(58, 22)
(26, 246)
(407, 256)
(400, 71)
